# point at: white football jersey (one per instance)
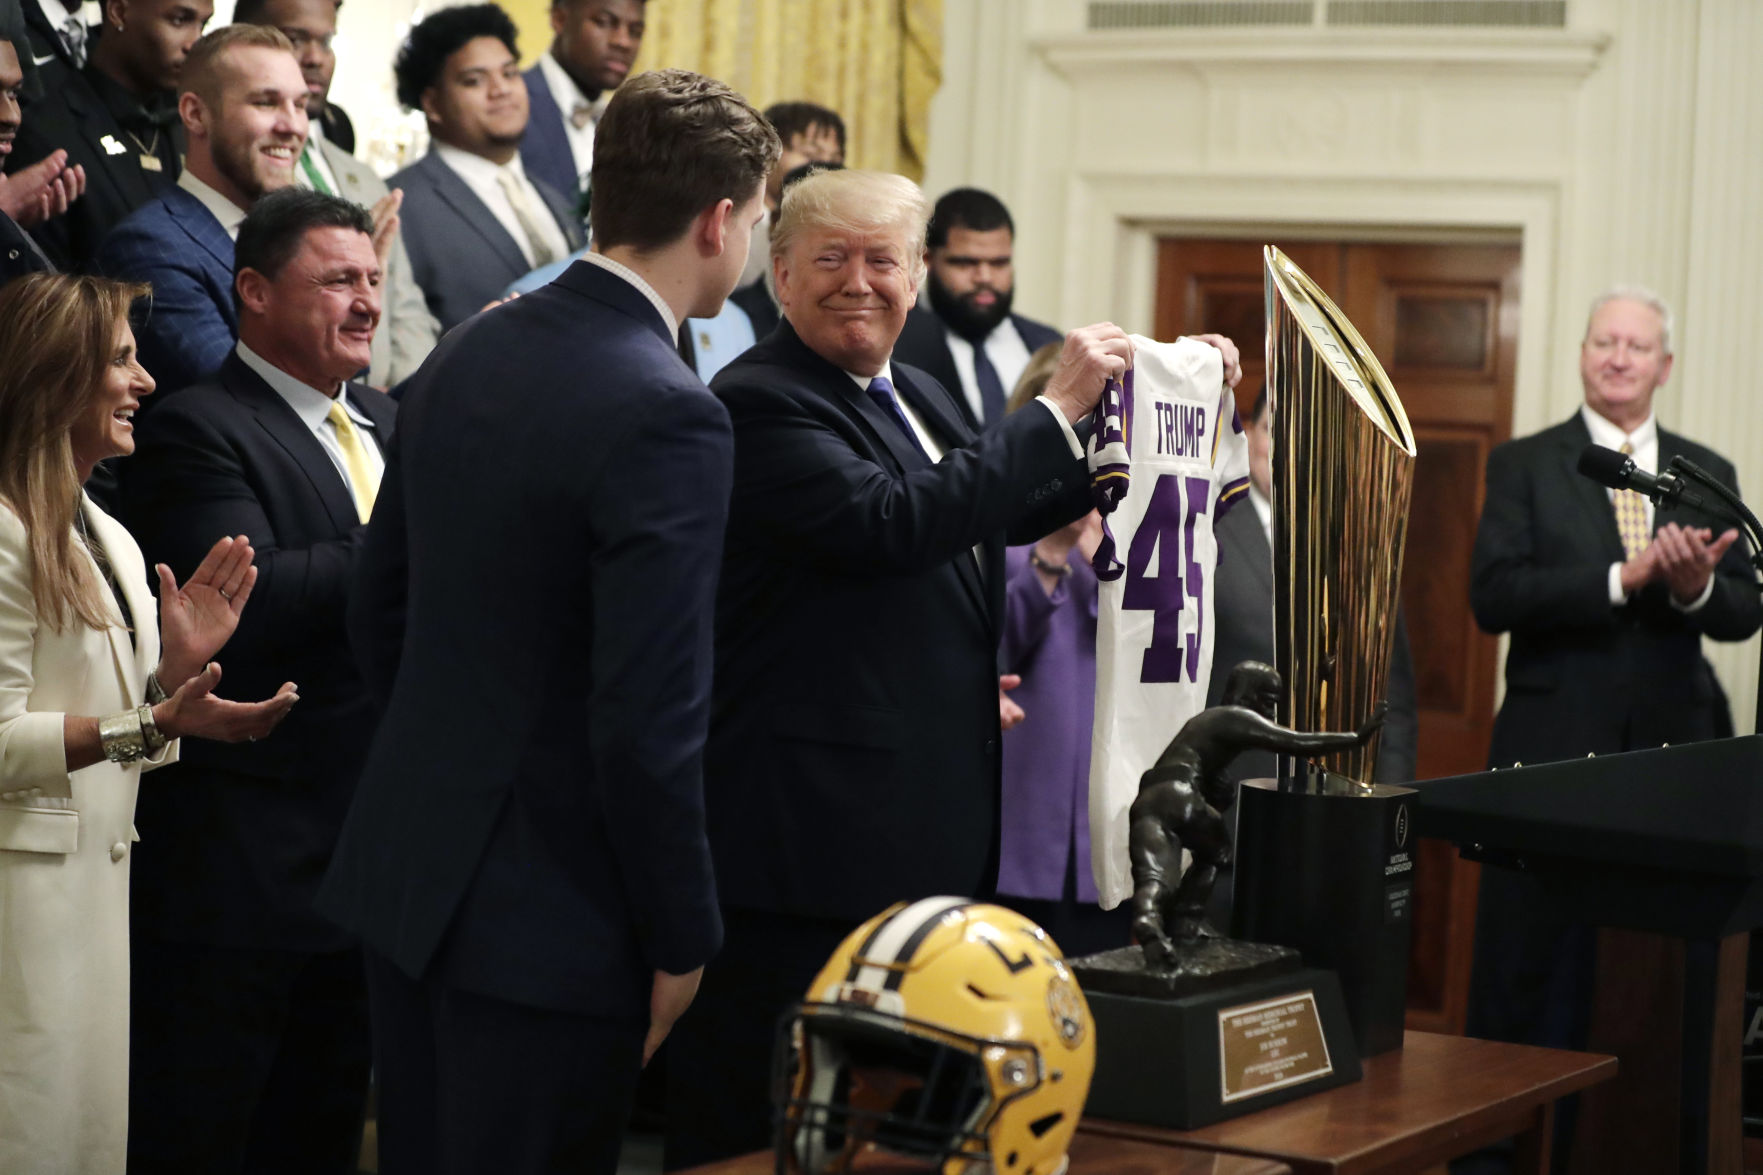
(1168, 455)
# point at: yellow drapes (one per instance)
(877, 62)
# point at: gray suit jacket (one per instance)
(462, 256)
(407, 330)
(1242, 601)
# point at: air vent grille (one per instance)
(1189, 14)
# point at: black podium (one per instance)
(1664, 850)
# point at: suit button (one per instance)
(1057, 484)
(12, 254)
(119, 850)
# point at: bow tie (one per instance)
(581, 115)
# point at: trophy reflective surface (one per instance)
(1343, 464)
(1325, 857)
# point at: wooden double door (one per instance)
(1443, 321)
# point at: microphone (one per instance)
(1607, 467)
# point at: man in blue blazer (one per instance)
(525, 857)
(594, 46)
(853, 755)
(250, 1011)
(474, 220)
(243, 105)
(969, 338)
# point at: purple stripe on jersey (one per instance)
(1110, 466)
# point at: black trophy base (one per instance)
(1326, 866)
(1190, 1061)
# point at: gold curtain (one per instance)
(876, 62)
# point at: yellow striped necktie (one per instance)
(1631, 516)
(362, 482)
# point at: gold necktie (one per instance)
(1631, 516)
(526, 217)
(581, 115)
(362, 483)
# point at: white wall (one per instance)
(1626, 147)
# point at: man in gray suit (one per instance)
(1243, 605)
(474, 220)
(407, 331)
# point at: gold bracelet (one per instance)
(121, 737)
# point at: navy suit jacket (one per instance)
(1583, 677)
(853, 758)
(924, 342)
(533, 607)
(243, 831)
(544, 150)
(462, 256)
(188, 326)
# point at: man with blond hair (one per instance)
(853, 755)
(1606, 599)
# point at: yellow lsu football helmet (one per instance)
(943, 1031)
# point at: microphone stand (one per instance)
(1738, 512)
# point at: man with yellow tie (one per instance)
(1606, 599)
(250, 1011)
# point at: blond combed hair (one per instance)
(58, 336)
(849, 200)
(201, 70)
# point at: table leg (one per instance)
(1530, 1148)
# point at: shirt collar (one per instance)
(563, 88)
(643, 287)
(230, 215)
(1611, 436)
(309, 404)
(475, 168)
(886, 372)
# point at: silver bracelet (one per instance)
(152, 738)
(155, 689)
(121, 737)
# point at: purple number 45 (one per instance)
(1167, 533)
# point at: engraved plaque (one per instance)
(1270, 1045)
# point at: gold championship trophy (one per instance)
(1325, 856)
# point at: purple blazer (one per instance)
(1051, 642)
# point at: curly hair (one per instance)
(424, 53)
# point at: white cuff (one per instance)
(1618, 597)
(1077, 449)
(1695, 605)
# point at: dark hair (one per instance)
(789, 119)
(276, 225)
(251, 11)
(967, 208)
(671, 144)
(437, 37)
(1259, 406)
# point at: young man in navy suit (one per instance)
(595, 42)
(525, 859)
(250, 1011)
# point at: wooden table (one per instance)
(1091, 1154)
(1437, 1098)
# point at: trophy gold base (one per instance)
(1194, 1060)
(1326, 866)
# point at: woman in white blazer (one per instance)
(88, 699)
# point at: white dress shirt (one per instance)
(1007, 351)
(567, 94)
(313, 408)
(1643, 445)
(644, 288)
(230, 215)
(483, 178)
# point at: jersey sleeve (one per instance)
(1230, 455)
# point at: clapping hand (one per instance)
(194, 710)
(198, 618)
(33, 194)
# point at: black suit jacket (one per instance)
(1581, 676)
(1242, 601)
(924, 342)
(853, 756)
(240, 832)
(75, 116)
(534, 609)
(19, 255)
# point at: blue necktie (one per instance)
(882, 392)
(991, 388)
